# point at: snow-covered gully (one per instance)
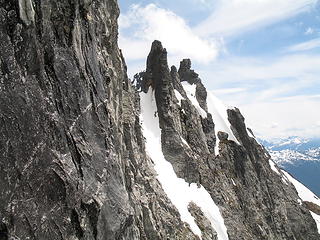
(177, 189)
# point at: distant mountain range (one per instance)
(298, 156)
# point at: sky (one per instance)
(262, 56)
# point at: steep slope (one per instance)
(307, 198)
(73, 163)
(72, 159)
(180, 192)
(209, 145)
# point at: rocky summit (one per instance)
(85, 154)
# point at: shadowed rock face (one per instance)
(254, 201)
(72, 158)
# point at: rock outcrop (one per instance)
(72, 158)
(72, 153)
(253, 199)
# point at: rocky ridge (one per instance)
(252, 198)
(72, 154)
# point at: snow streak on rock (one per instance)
(191, 94)
(217, 109)
(220, 118)
(316, 218)
(273, 167)
(178, 96)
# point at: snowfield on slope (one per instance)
(178, 190)
(273, 167)
(220, 118)
(191, 94)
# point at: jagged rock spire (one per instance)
(186, 73)
(157, 66)
(253, 200)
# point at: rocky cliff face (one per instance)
(72, 152)
(72, 159)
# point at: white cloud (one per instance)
(228, 90)
(274, 125)
(279, 117)
(141, 25)
(297, 97)
(234, 16)
(266, 91)
(293, 117)
(134, 49)
(203, 2)
(289, 72)
(314, 43)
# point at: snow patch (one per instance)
(220, 118)
(26, 11)
(191, 94)
(284, 180)
(234, 184)
(231, 108)
(179, 192)
(178, 96)
(273, 167)
(185, 142)
(251, 134)
(217, 109)
(316, 218)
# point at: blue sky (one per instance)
(262, 56)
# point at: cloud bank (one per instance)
(151, 22)
(278, 95)
(232, 17)
(305, 46)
